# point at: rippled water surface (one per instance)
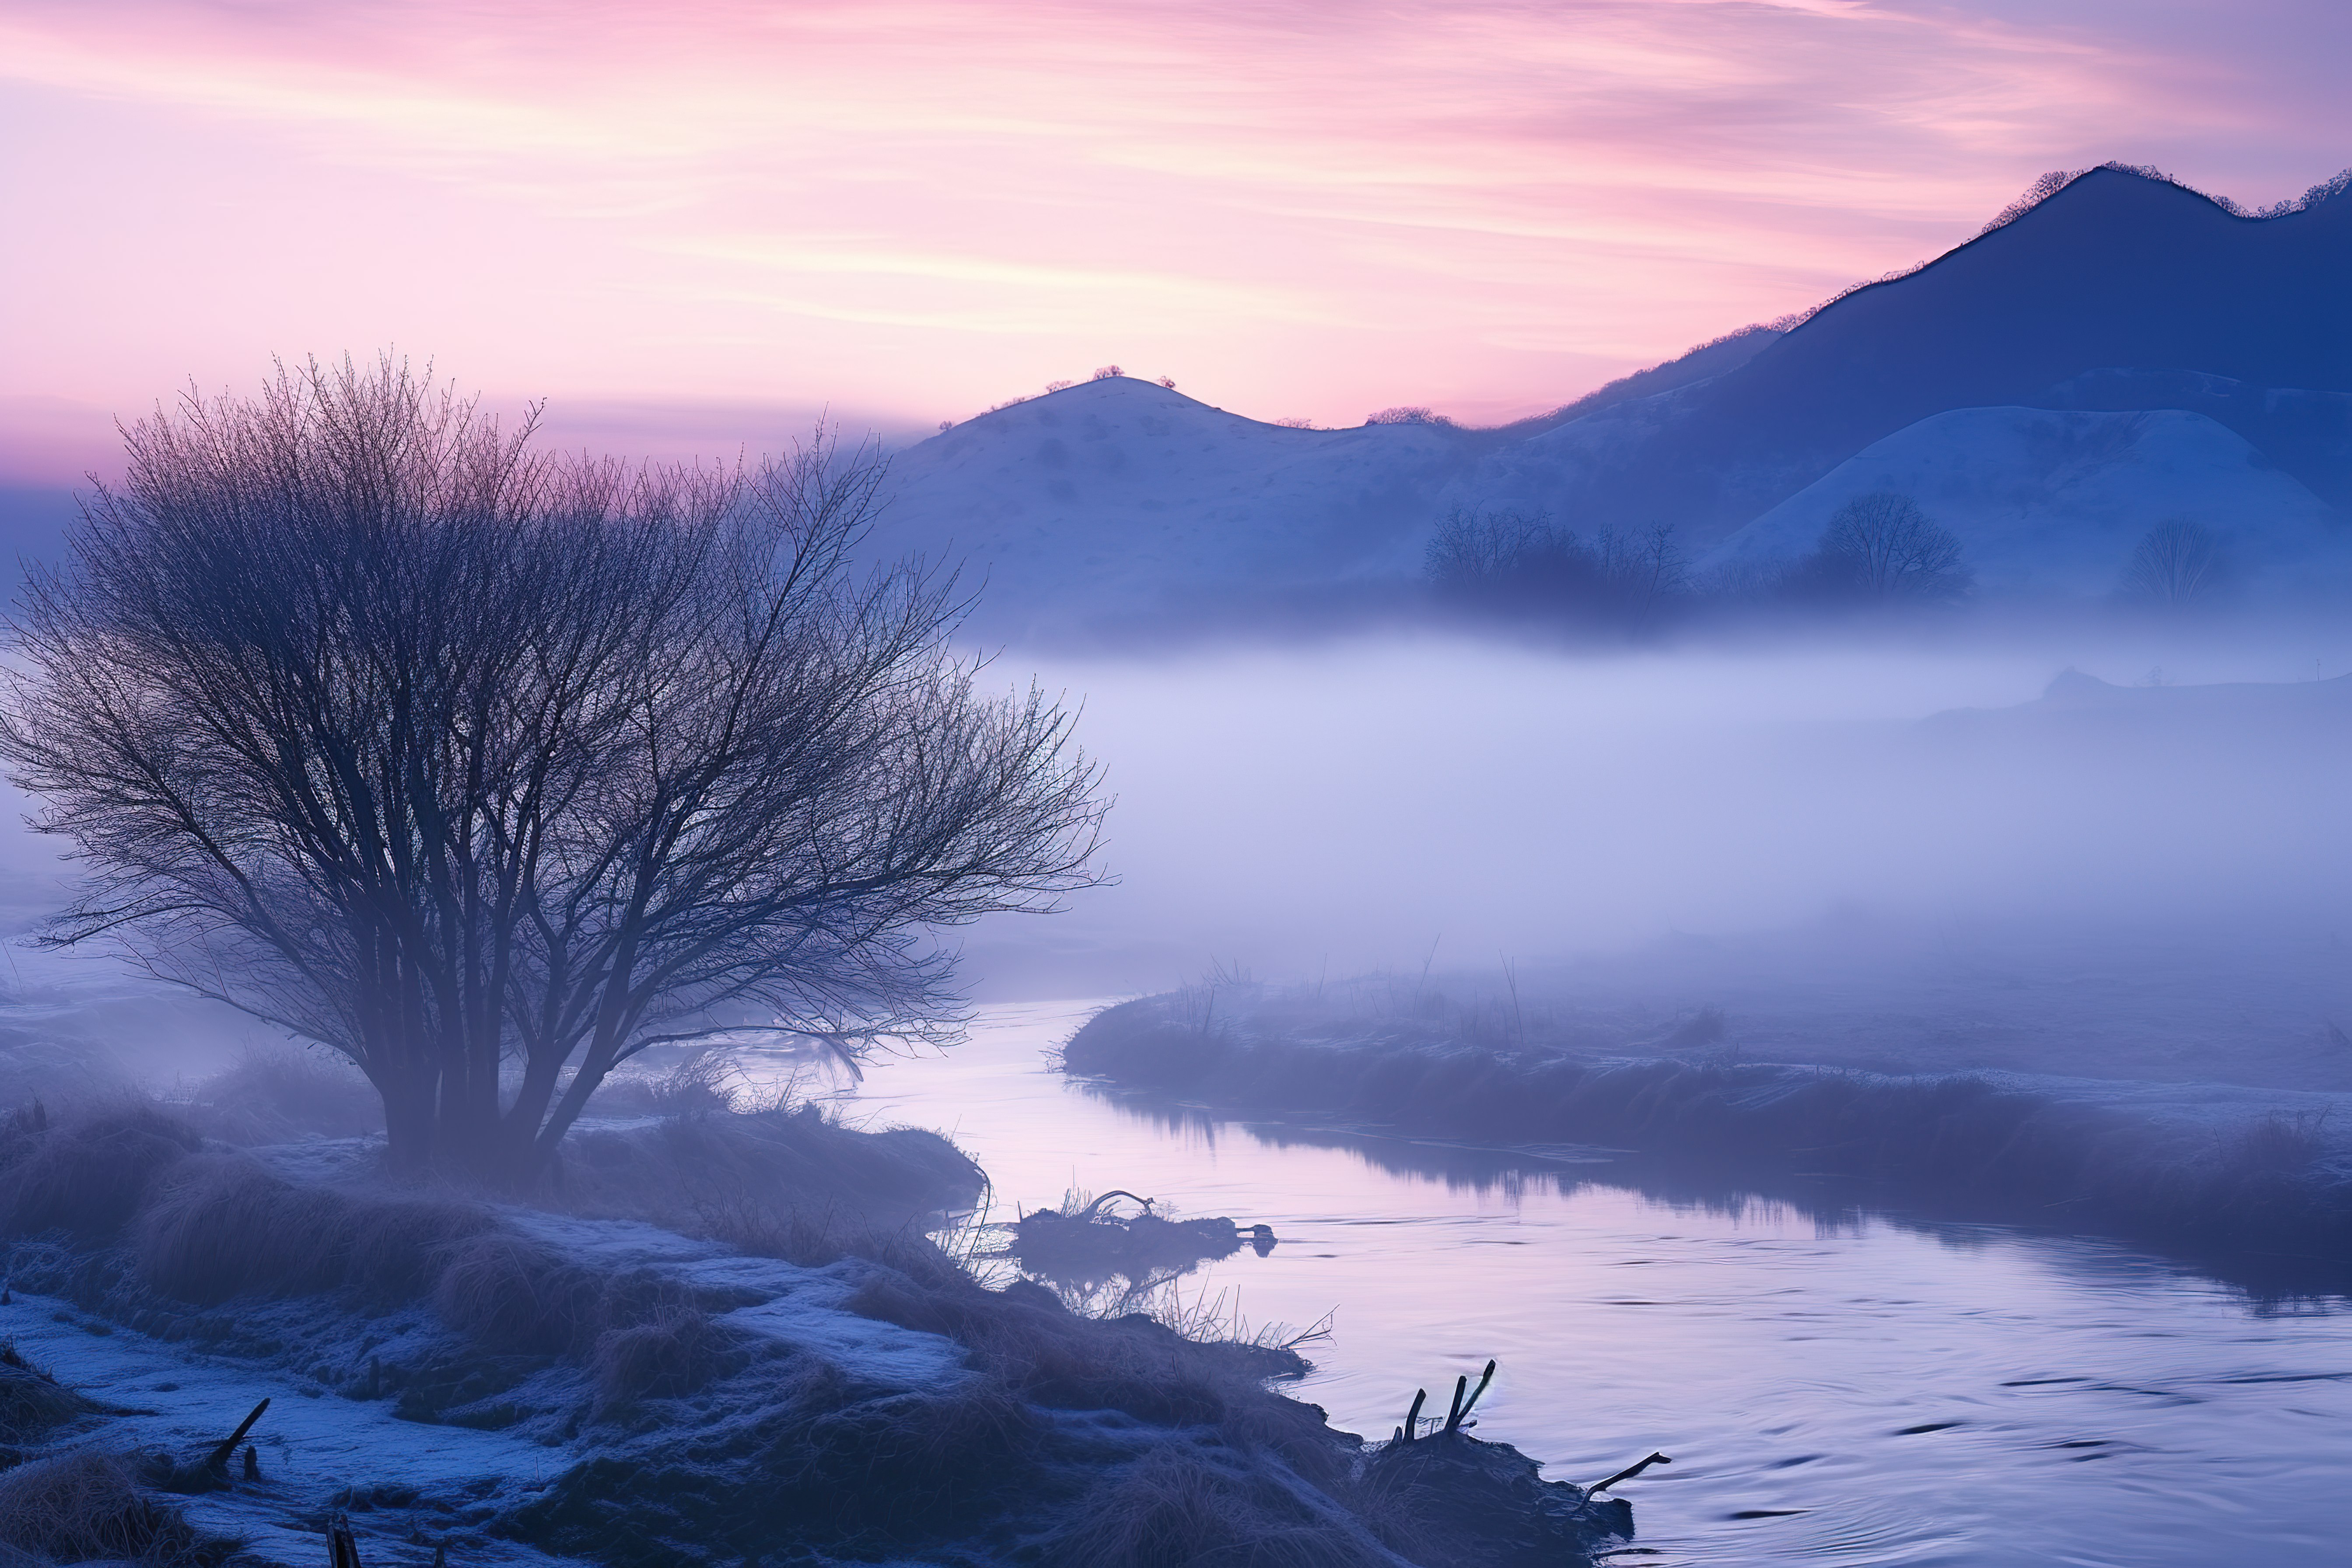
(1851, 1391)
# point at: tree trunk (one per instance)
(409, 1124)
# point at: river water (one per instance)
(1853, 1389)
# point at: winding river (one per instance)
(1835, 1387)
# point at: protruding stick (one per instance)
(342, 1551)
(1627, 1474)
(1453, 1411)
(1412, 1416)
(227, 1450)
(1478, 1393)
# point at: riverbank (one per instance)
(726, 1375)
(2200, 1166)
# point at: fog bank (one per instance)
(1353, 805)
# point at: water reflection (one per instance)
(1836, 1383)
(1834, 1205)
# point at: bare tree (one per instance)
(1641, 569)
(490, 771)
(1511, 561)
(1474, 552)
(2177, 564)
(1881, 546)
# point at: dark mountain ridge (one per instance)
(2121, 290)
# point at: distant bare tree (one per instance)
(490, 771)
(1168, 382)
(1513, 560)
(1642, 568)
(1060, 385)
(1472, 551)
(1881, 546)
(2177, 564)
(1106, 373)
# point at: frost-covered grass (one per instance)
(2086, 1155)
(726, 1340)
(89, 1506)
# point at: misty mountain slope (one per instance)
(2049, 501)
(2116, 272)
(1703, 363)
(1570, 472)
(1118, 495)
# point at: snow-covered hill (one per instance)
(2126, 351)
(1117, 497)
(2050, 502)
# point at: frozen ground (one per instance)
(319, 1449)
(334, 1439)
(461, 1377)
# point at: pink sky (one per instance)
(695, 224)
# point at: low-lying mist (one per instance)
(1344, 807)
(1866, 850)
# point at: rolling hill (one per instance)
(2126, 350)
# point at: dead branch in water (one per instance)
(1627, 1474)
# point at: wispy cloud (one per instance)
(1304, 209)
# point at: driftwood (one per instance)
(1458, 1418)
(1487, 1503)
(1458, 1414)
(1412, 1416)
(192, 1477)
(1627, 1474)
(226, 1449)
(342, 1551)
(1095, 1246)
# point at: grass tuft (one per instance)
(31, 1403)
(514, 1295)
(87, 1508)
(669, 1355)
(221, 1225)
(91, 1178)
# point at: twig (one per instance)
(1627, 1474)
(1412, 1416)
(1087, 1214)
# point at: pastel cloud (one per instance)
(912, 210)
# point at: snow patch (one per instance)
(2054, 503)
